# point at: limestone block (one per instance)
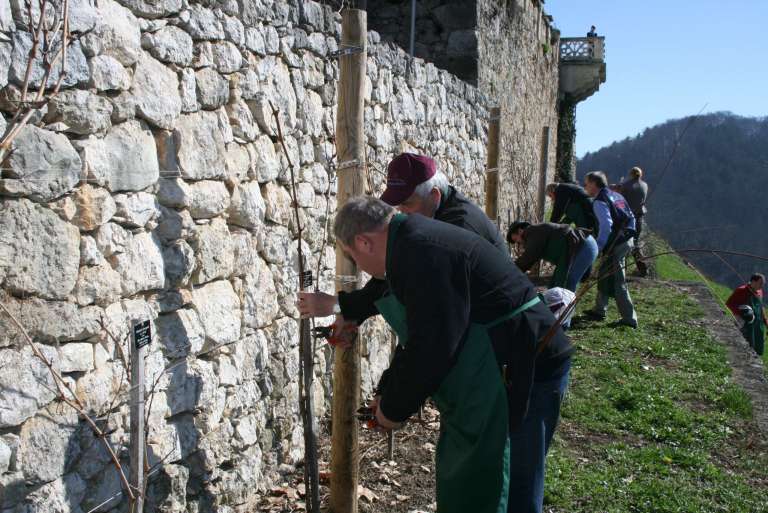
(245, 251)
(26, 383)
(98, 284)
(243, 124)
(89, 251)
(5, 456)
(125, 160)
(202, 143)
(93, 207)
(278, 89)
(259, 297)
(174, 224)
(123, 107)
(311, 114)
(234, 30)
(137, 209)
(237, 162)
(82, 112)
(169, 44)
(179, 260)
(305, 195)
(97, 389)
(180, 334)
(316, 42)
(111, 239)
(247, 430)
(6, 20)
(247, 209)
(278, 204)
(207, 199)
(226, 57)
(188, 90)
(154, 9)
(77, 65)
(202, 24)
(218, 307)
(107, 74)
(248, 82)
(43, 165)
(45, 260)
(212, 88)
(116, 34)
(76, 357)
(168, 491)
(213, 249)
(203, 55)
(141, 266)
(49, 322)
(5, 63)
(227, 372)
(174, 193)
(60, 496)
(255, 41)
(274, 244)
(151, 76)
(266, 164)
(272, 39)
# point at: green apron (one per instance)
(753, 331)
(472, 457)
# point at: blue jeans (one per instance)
(585, 256)
(529, 445)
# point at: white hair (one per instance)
(438, 180)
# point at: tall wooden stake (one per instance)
(492, 166)
(544, 172)
(350, 151)
(141, 336)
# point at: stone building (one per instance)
(151, 187)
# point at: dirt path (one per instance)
(748, 369)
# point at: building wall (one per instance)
(153, 187)
(518, 71)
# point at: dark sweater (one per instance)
(454, 209)
(447, 279)
(573, 205)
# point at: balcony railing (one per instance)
(582, 49)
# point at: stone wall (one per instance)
(446, 31)
(153, 187)
(518, 71)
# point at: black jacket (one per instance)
(448, 279)
(454, 209)
(573, 205)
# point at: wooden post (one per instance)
(350, 151)
(141, 336)
(544, 172)
(492, 166)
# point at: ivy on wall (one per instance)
(566, 137)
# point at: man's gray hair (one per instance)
(361, 214)
(598, 178)
(438, 180)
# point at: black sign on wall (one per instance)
(142, 334)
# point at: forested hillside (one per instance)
(712, 195)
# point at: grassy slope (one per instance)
(653, 423)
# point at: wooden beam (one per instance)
(543, 173)
(141, 336)
(350, 151)
(492, 166)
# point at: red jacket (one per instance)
(742, 296)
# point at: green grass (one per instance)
(653, 421)
(672, 267)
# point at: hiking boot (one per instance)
(594, 315)
(630, 324)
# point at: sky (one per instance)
(667, 59)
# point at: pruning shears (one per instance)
(367, 416)
(347, 334)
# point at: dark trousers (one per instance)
(637, 252)
(529, 445)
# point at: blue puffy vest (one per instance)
(623, 219)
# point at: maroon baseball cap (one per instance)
(404, 173)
